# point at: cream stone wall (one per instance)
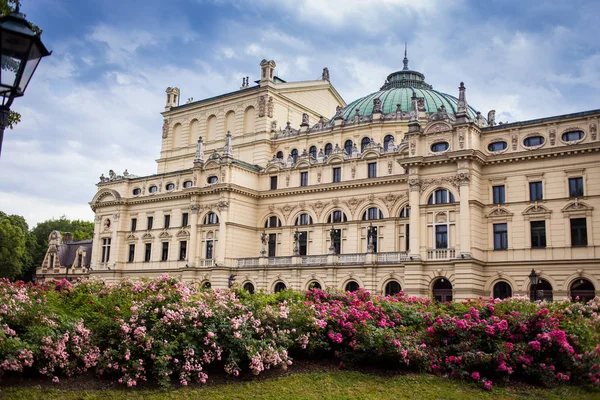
(240, 195)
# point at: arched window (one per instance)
(351, 286)
(405, 212)
(176, 136)
(442, 290)
(328, 149)
(249, 287)
(372, 213)
(206, 285)
(280, 155)
(279, 286)
(543, 291)
(294, 155)
(441, 196)
(364, 143)
(313, 151)
(502, 290)
(582, 290)
(273, 222)
(211, 218)
(348, 146)
(314, 285)
(304, 219)
(392, 288)
(336, 217)
(387, 140)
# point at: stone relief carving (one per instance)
(441, 218)
(552, 136)
(438, 127)
(453, 180)
(353, 169)
(461, 139)
(319, 174)
(271, 207)
(390, 199)
(261, 105)
(165, 128)
(413, 147)
(499, 212)
(414, 184)
(287, 178)
(593, 131)
(270, 107)
(286, 210)
(353, 204)
(515, 142)
(318, 207)
(390, 166)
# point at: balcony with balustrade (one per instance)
(320, 260)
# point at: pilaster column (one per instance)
(193, 235)
(221, 244)
(465, 215)
(415, 217)
(114, 245)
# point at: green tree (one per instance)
(12, 247)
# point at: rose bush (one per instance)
(163, 330)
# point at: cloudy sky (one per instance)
(94, 104)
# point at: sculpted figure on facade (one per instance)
(325, 74)
(339, 112)
(377, 106)
(304, 119)
(270, 107)
(165, 128)
(262, 104)
(491, 117)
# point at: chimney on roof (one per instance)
(68, 237)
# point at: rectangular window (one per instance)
(150, 222)
(336, 216)
(80, 260)
(273, 183)
(407, 237)
(337, 174)
(441, 196)
(105, 250)
(148, 252)
(272, 244)
(303, 243)
(535, 191)
(303, 178)
(184, 219)
(131, 257)
(372, 170)
(441, 236)
(51, 261)
(167, 221)
(578, 232)
(538, 234)
(337, 241)
(165, 251)
(498, 194)
(182, 250)
(133, 224)
(500, 237)
(209, 249)
(575, 187)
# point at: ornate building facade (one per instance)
(405, 189)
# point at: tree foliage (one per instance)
(12, 246)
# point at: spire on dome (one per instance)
(405, 61)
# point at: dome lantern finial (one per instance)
(405, 61)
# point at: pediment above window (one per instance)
(577, 207)
(183, 233)
(164, 235)
(131, 236)
(537, 210)
(148, 236)
(499, 213)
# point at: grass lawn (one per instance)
(317, 385)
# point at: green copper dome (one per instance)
(390, 98)
(398, 89)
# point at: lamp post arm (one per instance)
(4, 117)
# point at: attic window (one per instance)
(137, 191)
(170, 186)
(153, 189)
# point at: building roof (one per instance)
(67, 252)
(398, 89)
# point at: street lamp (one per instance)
(21, 50)
(535, 279)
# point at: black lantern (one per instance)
(21, 50)
(535, 279)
